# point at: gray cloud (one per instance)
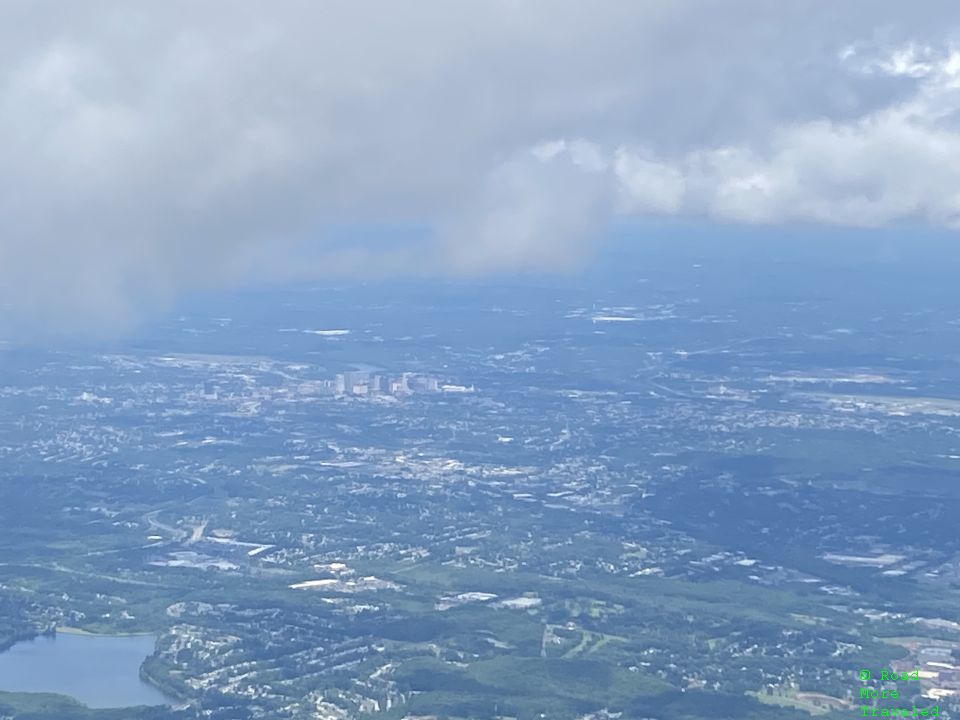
(152, 149)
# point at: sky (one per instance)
(149, 150)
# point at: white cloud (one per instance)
(909, 60)
(532, 212)
(151, 149)
(895, 163)
(647, 185)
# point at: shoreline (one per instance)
(175, 694)
(67, 630)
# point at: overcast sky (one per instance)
(148, 149)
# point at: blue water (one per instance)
(100, 671)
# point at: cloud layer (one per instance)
(148, 150)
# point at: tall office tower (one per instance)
(340, 384)
(405, 382)
(375, 386)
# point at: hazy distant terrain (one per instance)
(697, 487)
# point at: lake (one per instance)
(101, 671)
